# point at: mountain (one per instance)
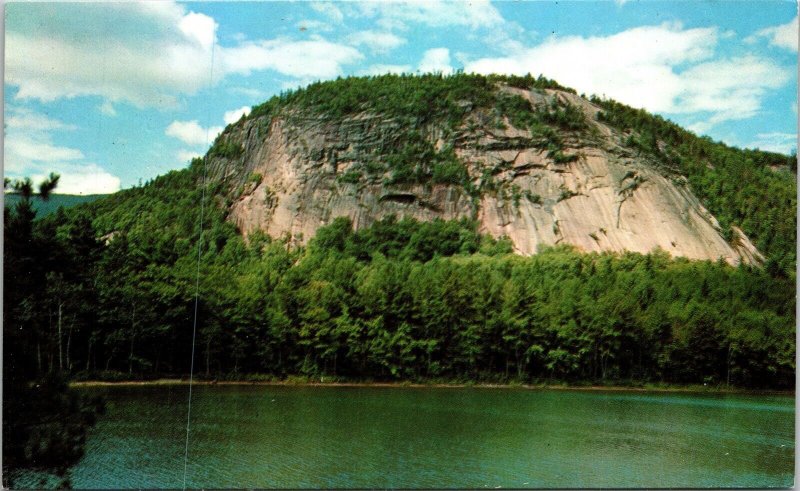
(55, 201)
(425, 228)
(526, 158)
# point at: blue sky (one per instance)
(108, 94)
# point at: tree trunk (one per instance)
(88, 353)
(39, 356)
(208, 356)
(69, 343)
(729, 367)
(60, 357)
(130, 358)
(133, 336)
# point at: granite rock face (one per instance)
(288, 181)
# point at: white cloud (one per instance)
(775, 142)
(29, 151)
(86, 178)
(661, 68)
(199, 27)
(27, 147)
(380, 69)
(23, 118)
(730, 89)
(235, 115)
(27, 139)
(377, 42)
(436, 60)
(191, 133)
(144, 53)
(436, 13)
(314, 58)
(155, 50)
(782, 36)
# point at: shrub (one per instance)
(449, 172)
(226, 149)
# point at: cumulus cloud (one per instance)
(87, 178)
(155, 52)
(191, 133)
(663, 68)
(377, 42)
(782, 36)
(236, 114)
(31, 152)
(436, 60)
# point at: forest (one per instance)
(400, 300)
(106, 290)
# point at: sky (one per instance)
(110, 95)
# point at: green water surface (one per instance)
(336, 437)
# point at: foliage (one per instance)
(45, 301)
(225, 149)
(408, 300)
(421, 98)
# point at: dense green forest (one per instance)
(399, 300)
(107, 289)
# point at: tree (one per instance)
(44, 421)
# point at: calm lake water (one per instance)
(334, 437)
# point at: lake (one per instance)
(388, 437)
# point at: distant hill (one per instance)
(55, 202)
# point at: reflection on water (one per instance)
(264, 436)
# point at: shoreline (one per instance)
(438, 385)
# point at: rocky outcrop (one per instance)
(603, 196)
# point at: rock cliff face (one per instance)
(296, 171)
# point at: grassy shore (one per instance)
(322, 382)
